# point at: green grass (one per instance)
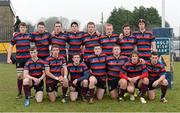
(8, 102)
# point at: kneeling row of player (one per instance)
(99, 70)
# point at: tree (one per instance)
(121, 16)
(149, 14)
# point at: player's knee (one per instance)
(91, 82)
(19, 73)
(26, 81)
(73, 99)
(52, 99)
(85, 83)
(114, 94)
(39, 96)
(99, 97)
(145, 81)
(123, 83)
(73, 96)
(165, 82)
(151, 95)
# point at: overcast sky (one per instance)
(90, 10)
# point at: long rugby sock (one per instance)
(26, 91)
(91, 92)
(144, 89)
(122, 91)
(163, 91)
(19, 84)
(64, 91)
(84, 91)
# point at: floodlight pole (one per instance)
(163, 14)
(102, 18)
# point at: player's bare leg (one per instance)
(164, 85)
(73, 94)
(92, 83)
(52, 96)
(144, 89)
(84, 90)
(19, 82)
(114, 94)
(64, 90)
(123, 86)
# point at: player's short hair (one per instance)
(90, 23)
(108, 24)
(33, 48)
(76, 54)
(74, 23)
(134, 52)
(54, 46)
(154, 53)
(41, 23)
(116, 45)
(58, 22)
(141, 20)
(23, 24)
(125, 25)
(97, 45)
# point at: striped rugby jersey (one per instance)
(35, 68)
(114, 65)
(143, 43)
(42, 42)
(107, 43)
(127, 45)
(22, 42)
(97, 64)
(77, 71)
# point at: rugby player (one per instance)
(145, 41)
(42, 40)
(90, 39)
(74, 39)
(128, 41)
(157, 77)
(114, 65)
(98, 77)
(22, 41)
(33, 76)
(56, 71)
(79, 75)
(59, 38)
(134, 74)
(108, 40)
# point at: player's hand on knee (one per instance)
(61, 79)
(130, 79)
(134, 79)
(36, 81)
(155, 84)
